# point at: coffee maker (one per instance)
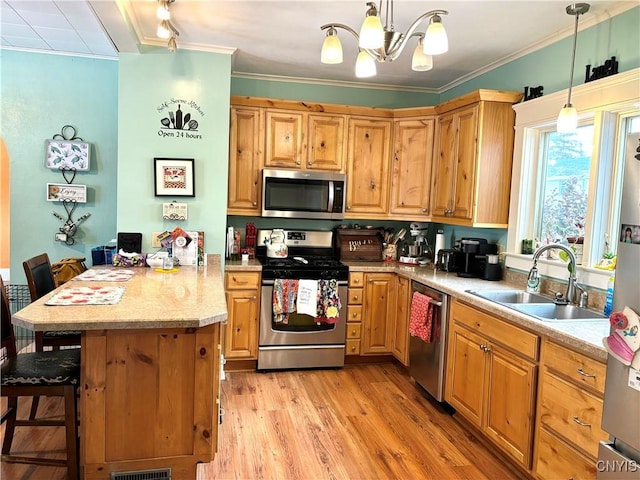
(471, 258)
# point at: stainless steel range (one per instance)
(289, 339)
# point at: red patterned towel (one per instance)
(421, 316)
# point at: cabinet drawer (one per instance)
(353, 330)
(355, 313)
(578, 367)
(573, 413)
(241, 280)
(355, 296)
(521, 341)
(556, 460)
(356, 279)
(353, 346)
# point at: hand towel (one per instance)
(421, 317)
(284, 299)
(329, 305)
(624, 342)
(307, 302)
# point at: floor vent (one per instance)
(161, 474)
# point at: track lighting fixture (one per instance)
(165, 27)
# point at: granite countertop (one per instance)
(585, 337)
(191, 297)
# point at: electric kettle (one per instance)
(277, 248)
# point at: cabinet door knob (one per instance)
(309, 163)
(585, 374)
(424, 210)
(355, 297)
(353, 332)
(354, 314)
(373, 185)
(255, 204)
(348, 207)
(254, 298)
(357, 280)
(298, 162)
(353, 348)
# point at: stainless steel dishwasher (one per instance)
(427, 360)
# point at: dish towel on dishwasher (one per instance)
(307, 303)
(284, 299)
(421, 316)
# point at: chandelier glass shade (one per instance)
(568, 117)
(166, 30)
(381, 43)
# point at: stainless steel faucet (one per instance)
(573, 285)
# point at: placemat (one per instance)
(93, 295)
(106, 275)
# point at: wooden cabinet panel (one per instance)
(400, 345)
(326, 142)
(285, 141)
(465, 168)
(241, 331)
(356, 279)
(353, 346)
(411, 168)
(574, 414)
(444, 166)
(556, 460)
(465, 376)
(378, 313)
(353, 330)
(579, 368)
(510, 403)
(241, 281)
(246, 156)
(355, 296)
(368, 167)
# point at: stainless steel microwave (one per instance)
(299, 194)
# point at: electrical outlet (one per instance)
(155, 241)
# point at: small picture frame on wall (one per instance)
(67, 155)
(60, 192)
(174, 177)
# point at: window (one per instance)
(568, 186)
(565, 172)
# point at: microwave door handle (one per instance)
(331, 195)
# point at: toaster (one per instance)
(446, 260)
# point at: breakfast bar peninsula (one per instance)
(149, 394)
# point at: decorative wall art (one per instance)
(174, 211)
(57, 192)
(67, 154)
(174, 177)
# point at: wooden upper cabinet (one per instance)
(246, 156)
(326, 142)
(411, 168)
(473, 156)
(368, 168)
(285, 139)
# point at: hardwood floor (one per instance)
(358, 422)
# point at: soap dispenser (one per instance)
(533, 280)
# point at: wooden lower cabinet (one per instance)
(490, 384)
(354, 313)
(570, 400)
(379, 313)
(242, 291)
(400, 345)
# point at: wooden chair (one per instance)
(50, 373)
(41, 281)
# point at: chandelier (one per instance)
(165, 27)
(568, 116)
(378, 43)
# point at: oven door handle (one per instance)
(269, 283)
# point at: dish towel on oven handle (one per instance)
(284, 299)
(329, 305)
(421, 319)
(307, 302)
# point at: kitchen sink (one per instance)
(551, 312)
(510, 296)
(538, 306)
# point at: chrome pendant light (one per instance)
(568, 117)
(381, 43)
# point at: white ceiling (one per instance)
(283, 38)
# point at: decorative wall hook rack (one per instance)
(69, 228)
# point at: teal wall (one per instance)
(152, 85)
(40, 94)
(618, 36)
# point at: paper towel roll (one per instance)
(439, 243)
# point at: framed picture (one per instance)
(174, 177)
(67, 154)
(59, 192)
